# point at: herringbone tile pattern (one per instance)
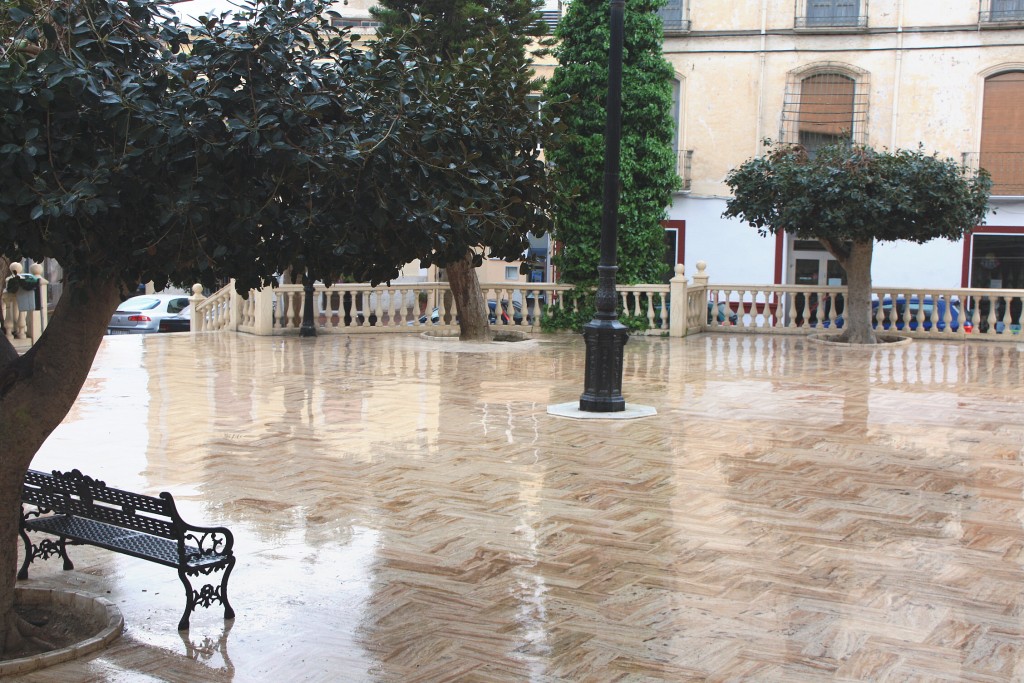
(405, 511)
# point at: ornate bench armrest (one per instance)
(210, 540)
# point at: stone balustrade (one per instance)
(676, 309)
(25, 310)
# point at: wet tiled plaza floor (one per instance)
(406, 510)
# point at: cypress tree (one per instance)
(648, 162)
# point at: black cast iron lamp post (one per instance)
(308, 328)
(605, 336)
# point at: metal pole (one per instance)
(308, 328)
(605, 336)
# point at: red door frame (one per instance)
(679, 227)
(965, 273)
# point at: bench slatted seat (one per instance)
(78, 509)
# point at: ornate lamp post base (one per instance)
(308, 328)
(602, 387)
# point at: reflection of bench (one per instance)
(82, 510)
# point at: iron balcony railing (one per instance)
(1001, 11)
(831, 14)
(685, 168)
(674, 17)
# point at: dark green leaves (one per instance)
(846, 193)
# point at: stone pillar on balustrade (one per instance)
(38, 318)
(263, 324)
(677, 299)
(701, 278)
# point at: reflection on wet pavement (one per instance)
(405, 510)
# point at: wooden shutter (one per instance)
(832, 12)
(827, 104)
(1002, 132)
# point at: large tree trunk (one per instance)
(857, 327)
(469, 300)
(36, 392)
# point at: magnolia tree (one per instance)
(849, 197)
(502, 128)
(135, 149)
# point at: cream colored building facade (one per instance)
(944, 74)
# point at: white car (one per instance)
(142, 314)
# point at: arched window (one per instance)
(824, 107)
(1002, 132)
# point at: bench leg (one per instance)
(208, 595)
(190, 600)
(23, 572)
(229, 612)
(68, 564)
(45, 549)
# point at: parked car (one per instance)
(182, 322)
(517, 315)
(892, 314)
(142, 314)
(725, 316)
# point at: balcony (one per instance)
(1006, 168)
(684, 167)
(674, 18)
(832, 15)
(1001, 13)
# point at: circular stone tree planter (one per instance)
(884, 340)
(101, 614)
(496, 335)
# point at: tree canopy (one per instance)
(497, 132)
(134, 149)
(847, 197)
(648, 159)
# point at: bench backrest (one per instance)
(73, 493)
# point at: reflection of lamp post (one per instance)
(308, 329)
(605, 336)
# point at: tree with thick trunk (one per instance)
(135, 149)
(36, 391)
(469, 300)
(505, 160)
(848, 197)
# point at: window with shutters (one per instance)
(1002, 132)
(825, 105)
(996, 11)
(824, 14)
(674, 17)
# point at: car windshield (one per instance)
(139, 303)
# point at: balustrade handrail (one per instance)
(676, 309)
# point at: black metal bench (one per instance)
(81, 510)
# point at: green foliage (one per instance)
(648, 160)
(559, 319)
(134, 149)
(452, 26)
(856, 194)
(483, 183)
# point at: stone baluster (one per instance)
(197, 323)
(991, 314)
(44, 295)
(11, 313)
